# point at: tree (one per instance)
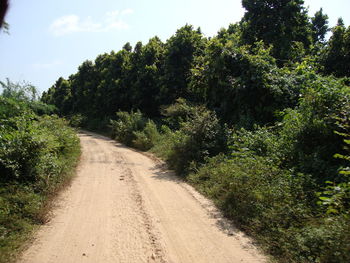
(127, 47)
(319, 26)
(278, 23)
(60, 95)
(19, 91)
(113, 82)
(83, 88)
(181, 50)
(336, 56)
(147, 67)
(3, 9)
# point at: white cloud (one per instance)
(73, 23)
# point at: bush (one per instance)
(126, 124)
(178, 113)
(77, 120)
(166, 141)
(11, 108)
(32, 146)
(135, 130)
(37, 155)
(261, 187)
(254, 191)
(262, 141)
(147, 138)
(326, 241)
(276, 206)
(304, 138)
(41, 108)
(200, 136)
(97, 124)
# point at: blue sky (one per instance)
(49, 39)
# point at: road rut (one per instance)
(126, 207)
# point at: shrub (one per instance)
(262, 141)
(31, 147)
(178, 113)
(135, 130)
(126, 124)
(97, 124)
(147, 138)
(304, 139)
(166, 141)
(37, 155)
(200, 137)
(275, 206)
(11, 108)
(254, 191)
(77, 120)
(41, 108)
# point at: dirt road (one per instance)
(126, 207)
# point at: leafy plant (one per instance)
(37, 155)
(336, 196)
(126, 124)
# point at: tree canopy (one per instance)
(276, 22)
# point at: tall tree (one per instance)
(147, 64)
(276, 22)
(336, 57)
(319, 26)
(83, 85)
(60, 95)
(181, 50)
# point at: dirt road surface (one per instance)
(126, 207)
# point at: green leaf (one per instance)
(332, 211)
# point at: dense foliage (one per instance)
(255, 117)
(37, 154)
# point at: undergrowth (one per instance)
(37, 158)
(280, 184)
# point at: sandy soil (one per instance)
(126, 207)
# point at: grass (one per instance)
(23, 210)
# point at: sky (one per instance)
(49, 39)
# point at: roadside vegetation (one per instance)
(256, 118)
(38, 153)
